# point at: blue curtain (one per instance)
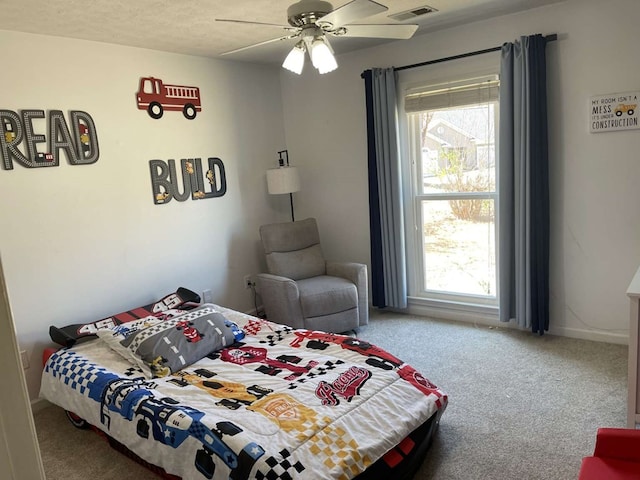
(388, 264)
(523, 185)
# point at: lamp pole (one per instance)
(291, 200)
(281, 162)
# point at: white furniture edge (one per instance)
(19, 450)
(633, 416)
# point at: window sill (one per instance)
(459, 311)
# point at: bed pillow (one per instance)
(162, 347)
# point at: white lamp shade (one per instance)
(295, 60)
(283, 180)
(322, 58)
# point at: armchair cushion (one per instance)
(295, 235)
(298, 264)
(324, 295)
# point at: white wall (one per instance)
(595, 231)
(83, 242)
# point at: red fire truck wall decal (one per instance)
(196, 183)
(155, 97)
(19, 139)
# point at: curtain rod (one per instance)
(549, 38)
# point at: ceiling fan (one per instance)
(313, 20)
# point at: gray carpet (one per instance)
(72, 454)
(520, 406)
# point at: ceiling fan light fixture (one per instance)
(322, 56)
(295, 59)
(311, 21)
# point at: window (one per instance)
(452, 137)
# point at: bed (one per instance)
(269, 402)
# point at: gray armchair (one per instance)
(302, 289)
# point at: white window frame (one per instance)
(459, 307)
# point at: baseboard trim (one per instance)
(39, 404)
(593, 335)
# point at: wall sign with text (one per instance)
(616, 111)
(78, 139)
(197, 183)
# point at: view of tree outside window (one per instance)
(456, 199)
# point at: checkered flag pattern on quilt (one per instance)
(76, 371)
(280, 469)
(330, 444)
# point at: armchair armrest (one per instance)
(619, 443)
(356, 273)
(348, 270)
(281, 298)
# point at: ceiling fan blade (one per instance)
(402, 32)
(287, 37)
(289, 28)
(350, 12)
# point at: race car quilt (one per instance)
(279, 403)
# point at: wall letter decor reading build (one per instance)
(196, 183)
(80, 144)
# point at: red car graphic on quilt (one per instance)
(320, 340)
(269, 366)
(192, 334)
(377, 357)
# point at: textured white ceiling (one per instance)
(189, 26)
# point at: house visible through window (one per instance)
(452, 133)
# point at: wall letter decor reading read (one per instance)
(79, 144)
